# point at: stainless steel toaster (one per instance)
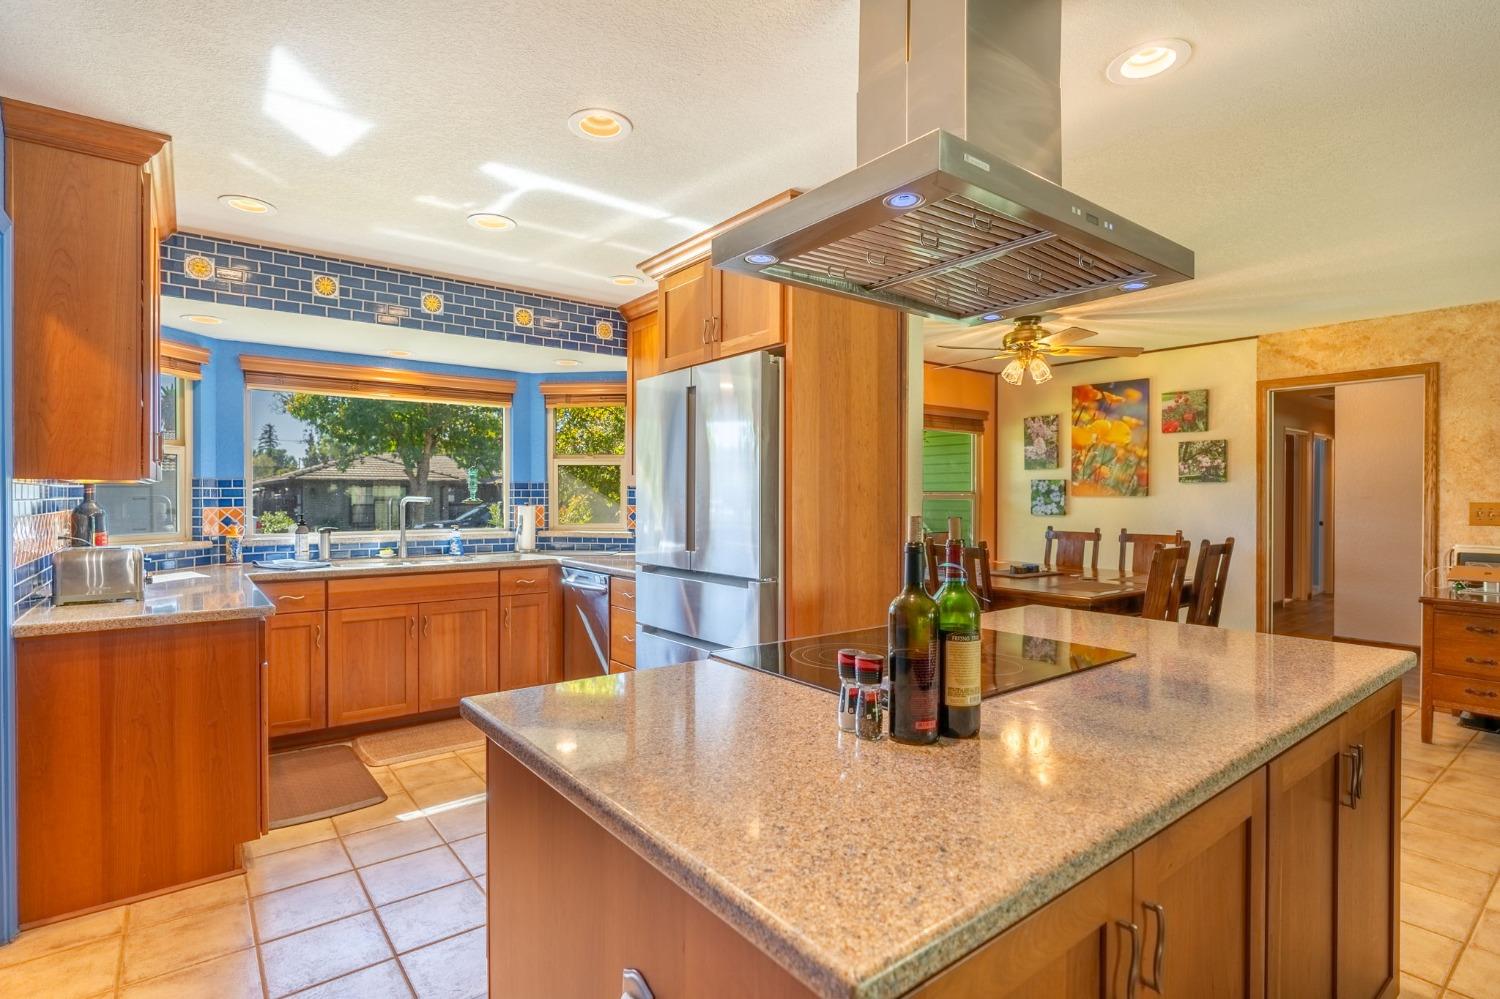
(98, 575)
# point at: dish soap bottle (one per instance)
(455, 542)
(302, 540)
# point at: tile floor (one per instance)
(384, 902)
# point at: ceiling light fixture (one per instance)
(903, 200)
(1144, 61)
(599, 124)
(626, 280)
(248, 205)
(1135, 285)
(200, 318)
(490, 222)
(566, 362)
(760, 259)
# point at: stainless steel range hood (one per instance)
(956, 211)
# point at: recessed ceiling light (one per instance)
(245, 203)
(626, 280)
(599, 124)
(566, 362)
(1142, 62)
(760, 259)
(398, 353)
(198, 317)
(1135, 285)
(903, 200)
(490, 222)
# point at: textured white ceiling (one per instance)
(1327, 160)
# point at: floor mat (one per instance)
(309, 784)
(397, 745)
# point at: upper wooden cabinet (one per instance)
(706, 313)
(90, 202)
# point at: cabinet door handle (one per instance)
(1161, 946)
(426, 626)
(291, 596)
(317, 636)
(1135, 955)
(506, 622)
(1479, 662)
(528, 582)
(1480, 629)
(1354, 755)
(413, 627)
(628, 638)
(703, 337)
(716, 335)
(1479, 693)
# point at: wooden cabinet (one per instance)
(687, 313)
(749, 316)
(372, 663)
(622, 635)
(1460, 657)
(706, 313)
(642, 359)
(296, 687)
(459, 651)
(526, 627)
(1369, 848)
(90, 201)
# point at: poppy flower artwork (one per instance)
(1110, 439)
(1184, 412)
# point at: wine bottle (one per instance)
(913, 653)
(958, 637)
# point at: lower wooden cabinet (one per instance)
(459, 651)
(527, 624)
(372, 663)
(297, 687)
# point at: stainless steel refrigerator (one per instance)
(708, 509)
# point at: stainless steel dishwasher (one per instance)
(585, 623)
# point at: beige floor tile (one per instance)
(1477, 974)
(424, 919)
(1439, 913)
(1407, 804)
(395, 840)
(474, 853)
(474, 758)
(387, 780)
(413, 874)
(1427, 955)
(43, 940)
(301, 906)
(431, 770)
(1411, 787)
(187, 940)
(461, 822)
(1421, 771)
(77, 973)
(289, 837)
(323, 953)
(1443, 845)
(199, 898)
(451, 969)
(295, 866)
(1415, 988)
(1485, 828)
(1445, 734)
(383, 981)
(383, 814)
(233, 976)
(1486, 781)
(448, 791)
(1463, 799)
(1487, 933)
(1449, 879)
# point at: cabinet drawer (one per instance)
(615, 666)
(1468, 644)
(1466, 692)
(295, 595)
(417, 587)
(533, 579)
(622, 636)
(622, 593)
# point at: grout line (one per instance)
(374, 909)
(260, 957)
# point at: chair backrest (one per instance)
(1164, 582)
(1208, 583)
(936, 543)
(977, 569)
(1145, 545)
(1072, 548)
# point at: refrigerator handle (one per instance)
(690, 480)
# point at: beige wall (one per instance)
(1465, 342)
(1227, 370)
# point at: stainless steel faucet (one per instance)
(407, 501)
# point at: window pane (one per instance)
(588, 494)
(936, 511)
(346, 461)
(588, 430)
(947, 461)
(171, 408)
(145, 507)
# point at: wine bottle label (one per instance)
(961, 670)
(916, 693)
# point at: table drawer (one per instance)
(533, 579)
(622, 636)
(295, 594)
(1464, 643)
(1466, 692)
(622, 593)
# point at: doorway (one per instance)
(1302, 603)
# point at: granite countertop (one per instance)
(864, 868)
(226, 592)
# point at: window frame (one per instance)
(972, 494)
(577, 398)
(182, 449)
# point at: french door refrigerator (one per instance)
(708, 509)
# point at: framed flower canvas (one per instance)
(1110, 439)
(1203, 461)
(1049, 497)
(1039, 434)
(1184, 412)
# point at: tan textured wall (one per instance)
(1465, 342)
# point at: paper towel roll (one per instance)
(526, 517)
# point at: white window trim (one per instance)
(183, 450)
(554, 462)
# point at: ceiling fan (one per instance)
(1029, 345)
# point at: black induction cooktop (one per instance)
(1008, 661)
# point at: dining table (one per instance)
(1109, 590)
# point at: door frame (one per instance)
(1323, 585)
(9, 864)
(1265, 530)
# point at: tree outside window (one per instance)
(587, 486)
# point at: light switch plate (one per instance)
(1484, 514)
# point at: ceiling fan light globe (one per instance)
(1014, 371)
(1040, 372)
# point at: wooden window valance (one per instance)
(183, 360)
(583, 393)
(383, 383)
(967, 421)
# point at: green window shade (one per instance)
(936, 510)
(947, 461)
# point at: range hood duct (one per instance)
(956, 210)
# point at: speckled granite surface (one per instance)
(224, 592)
(864, 868)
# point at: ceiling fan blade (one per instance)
(955, 346)
(1070, 335)
(1096, 351)
(971, 360)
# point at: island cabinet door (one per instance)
(1369, 845)
(372, 663)
(296, 651)
(460, 651)
(1081, 945)
(1200, 898)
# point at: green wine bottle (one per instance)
(913, 650)
(959, 641)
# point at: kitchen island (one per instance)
(714, 828)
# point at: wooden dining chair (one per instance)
(1208, 583)
(1143, 552)
(936, 544)
(977, 569)
(1164, 582)
(1072, 548)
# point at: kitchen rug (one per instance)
(309, 784)
(397, 745)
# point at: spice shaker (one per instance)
(848, 690)
(869, 723)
